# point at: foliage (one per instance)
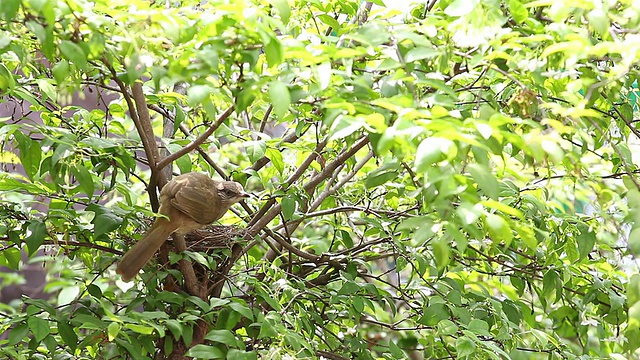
(449, 179)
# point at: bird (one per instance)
(188, 202)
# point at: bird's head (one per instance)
(230, 192)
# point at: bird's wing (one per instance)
(198, 199)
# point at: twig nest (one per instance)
(214, 237)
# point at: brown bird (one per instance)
(190, 201)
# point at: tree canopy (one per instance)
(434, 180)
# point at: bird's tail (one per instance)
(144, 249)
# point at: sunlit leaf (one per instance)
(486, 181)
(460, 7)
(284, 10)
(276, 159)
(499, 229)
(280, 98)
(433, 150)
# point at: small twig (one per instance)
(195, 143)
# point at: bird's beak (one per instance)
(245, 194)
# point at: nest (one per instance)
(214, 237)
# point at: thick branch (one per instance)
(144, 128)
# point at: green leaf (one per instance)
(344, 126)
(554, 150)
(496, 351)
(275, 156)
(323, 72)
(95, 291)
(401, 263)
(113, 330)
(197, 257)
(349, 287)
(242, 310)
(88, 322)
(205, 352)
(7, 82)
(68, 335)
(39, 327)
(469, 213)
(549, 282)
(461, 240)
(47, 90)
(461, 7)
(599, 19)
(222, 336)
(433, 314)
(235, 354)
(60, 71)
(395, 350)
(18, 334)
(499, 229)
(346, 238)
(280, 98)
(244, 99)
(442, 253)
(180, 117)
(634, 316)
(433, 150)
(486, 181)
(267, 329)
(37, 231)
(140, 329)
(274, 52)
(586, 240)
(377, 178)
(170, 297)
(61, 151)
(30, 154)
(175, 327)
(421, 53)
(104, 221)
(10, 184)
(330, 21)
(284, 10)
(527, 236)
(68, 294)
(197, 94)
(288, 207)
(12, 257)
(255, 149)
(508, 210)
(518, 11)
(45, 36)
(358, 304)
(39, 304)
(84, 179)
(447, 327)
(71, 51)
(184, 164)
(10, 9)
(214, 302)
(633, 289)
(465, 346)
(203, 305)
(634, 240)
(479, 327)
